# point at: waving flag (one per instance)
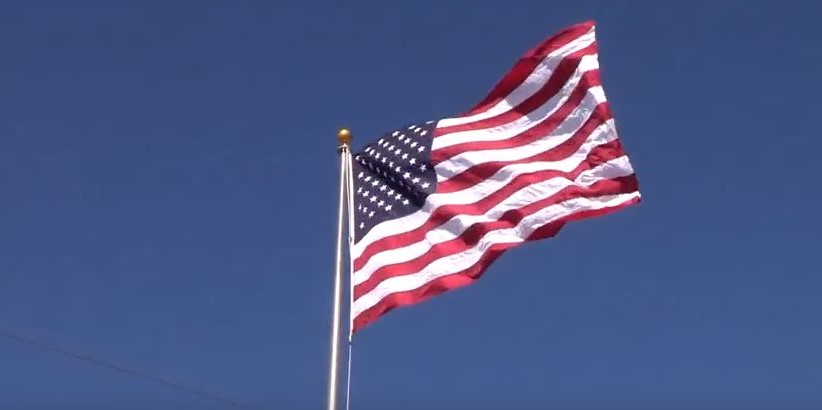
(435, 203)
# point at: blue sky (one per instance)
(168, 191)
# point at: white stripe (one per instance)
(541, 190)
(460, 261)
(587, 63)
(569, 126)
(395, 226)
(532, 84)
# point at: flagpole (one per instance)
(344, 138)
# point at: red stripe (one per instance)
(598, 155)
(589, 80)
(483, 171)
(511, 218)
(528, 63)
(557, 80)
(468, 276)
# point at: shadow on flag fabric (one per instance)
(435, 203)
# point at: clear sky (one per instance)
(168, 184)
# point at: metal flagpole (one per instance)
(344, 138)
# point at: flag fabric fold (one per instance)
(436, 202)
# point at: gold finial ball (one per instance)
(344, 136)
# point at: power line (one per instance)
(101, 363)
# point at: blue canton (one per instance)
(393, 176)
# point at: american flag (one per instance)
(436, 202)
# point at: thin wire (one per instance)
(336, 312)
(348, 379)
(350, 182)
(100, 363)
(351, 227)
